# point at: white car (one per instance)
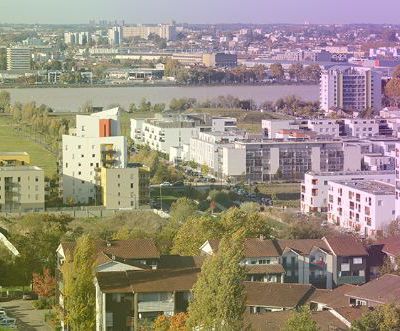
(9, 322)
(166, 184)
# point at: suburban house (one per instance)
(323, 263)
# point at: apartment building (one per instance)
(350, 88)
(21, 188)
(19, 59)
(361, 128)
(95, 143)
(14, 159)
(164, 31)
(220, 60)
(217, 152)
(397, 165)
(315, 186)
(266, 160)
(324, 263)
(366, 207)
(77, 38)
(125, 188)
(115, 36)
(324, 127)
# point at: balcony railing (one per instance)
(351, 280)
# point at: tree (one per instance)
(171, 323)
(392, 90)
(301, 320)
(277, 71)
(5, 100)
(383, 318)
(312, 72)
(396, 72)
(218, 295)
(205, 169)
(44, 285)
(296, 71)
(79, 289)
(303, 230)
(194, 233)
(182, 209)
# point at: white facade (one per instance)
(222, 124)
(272, 127)
(96, 143)
(314, 188)
(19, 59)
(361, 128)
(365, 207)
(324, 127)
(350, 88)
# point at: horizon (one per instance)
(339, 12)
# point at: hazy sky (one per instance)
(201, 11)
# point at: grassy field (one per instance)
(10, 141)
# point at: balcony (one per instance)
(357, 280)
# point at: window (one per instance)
(357, 260)
(379, 202)
(131, 185)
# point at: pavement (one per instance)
(28, 318)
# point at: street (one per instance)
(28, 318)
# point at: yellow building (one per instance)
(124, 188)
(14, 159)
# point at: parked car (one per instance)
(166, 184)
(9, 322)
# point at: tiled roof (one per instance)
(277, 294)
(385, 289)
(391, 245)
(123, 249)
(177, 261)
(255, 247)
(325, 320)
(148, 281)
(346, 245)
(333, 298)
(303, 246)
(260, 269)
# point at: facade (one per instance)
(96, 143)
(220, 60)
(14, 159)
(350, 88)
(77, 38)
(188, 59)
(315, 187)
(365, 207)
(323, 263)
(124, 188)
(164, 31)
(21, 188)
(361, 128)
(115, 35)
(270, 159)
(324, 127)
(19, 59)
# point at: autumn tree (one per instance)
(383, 318)
(171, 323)
(392, 90)
(79, 290)
(5, 100)
(218, 295)
(301, 320)
(277, 71)
(44, 285)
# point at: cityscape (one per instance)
(207, 166)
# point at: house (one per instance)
(324, 263)
(383, 290)
(271, 297)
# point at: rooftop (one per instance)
(369, 186)
(345, 245)
(20, 168)
(351, 173)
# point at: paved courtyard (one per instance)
(28, 318)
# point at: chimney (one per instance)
(261, 237)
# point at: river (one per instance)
(71, 99)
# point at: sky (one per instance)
(201, 11)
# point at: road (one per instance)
(28, 318)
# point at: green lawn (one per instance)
(10, 141)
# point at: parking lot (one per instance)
(28, 318)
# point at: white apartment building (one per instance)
(96, 143)
(324, 127)
(314, 188)
(272, 127)
(21, 188)
(361, 128)
(269, 159)
(397, 165)
(162, 134)
(164, 31)
(222, 124)
(366, 207)
(19, 58)
(217, 152)
(115, 36)
(350, 88)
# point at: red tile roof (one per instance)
(333, 298)
(345, 245)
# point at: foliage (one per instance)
(5, 101)
(218, 295)
(78, 286)
(303, 230)
(277, 71)
(194, 233)
(301, 321)
(43, 303)
(392, 90)
(383, 318)
(171, 323)
(44, 285)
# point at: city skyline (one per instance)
(207, 11)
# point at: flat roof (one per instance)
(351, 173)
(20, 168)
(370, 186)
(13, 153)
